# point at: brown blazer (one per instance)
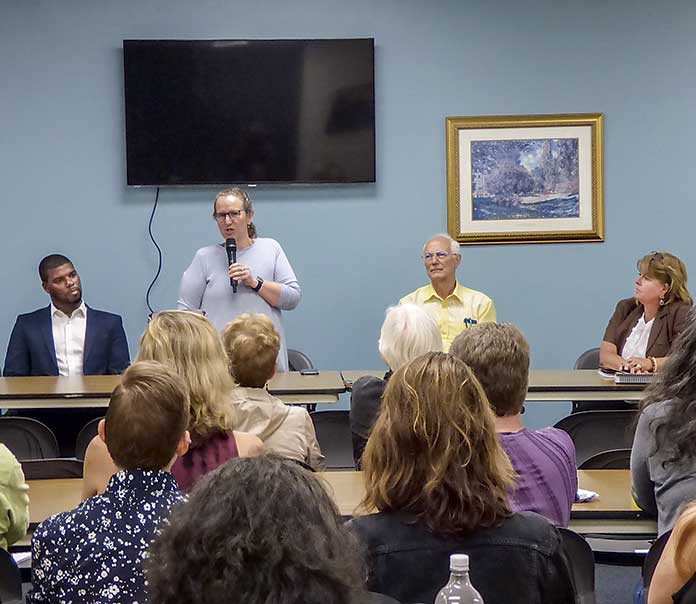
(669, 323)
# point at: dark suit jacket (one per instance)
(31, 350)
(670, 321)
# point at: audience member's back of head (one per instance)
(252, 345)
(498, 354)
(255, 531)
(434, 451)
(189, 344)
(407, 332)
(147, 415)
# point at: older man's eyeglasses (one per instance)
(232, 215)
(439, 255)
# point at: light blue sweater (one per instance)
(205, 285)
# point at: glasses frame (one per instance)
(439, 255)
(233, 215)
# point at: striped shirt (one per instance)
(544, 461)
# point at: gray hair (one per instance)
(454, 244)
(408, 331)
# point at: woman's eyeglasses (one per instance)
(232, 215)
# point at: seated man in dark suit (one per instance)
(66, 337)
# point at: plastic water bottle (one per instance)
(458, 589)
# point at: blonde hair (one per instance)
(498, 354)
(667, 269)
(252, 345)
(434, 451)
(188, 343)
(407, 332)
(246, 205)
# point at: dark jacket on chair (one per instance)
(670, 321)
(520, 562)
(31, 350)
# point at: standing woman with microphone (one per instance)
(256, 267)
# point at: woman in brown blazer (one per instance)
(641, 331)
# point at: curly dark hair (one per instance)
(676, 430)
(256, 530)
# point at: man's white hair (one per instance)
(408, 331)
(454, 244)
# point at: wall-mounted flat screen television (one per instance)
(201, 112)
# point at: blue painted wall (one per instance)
(355, 249)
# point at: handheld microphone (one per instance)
(231, 248)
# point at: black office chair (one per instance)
(46, 469)
(333, 434)
(581, 560)
(653, 557)
(598, 431)
(614, 459)
(590, 360)
(28, 438)
(299, 360)
(85, 436)
(10, 579)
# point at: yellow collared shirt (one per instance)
(463, 307)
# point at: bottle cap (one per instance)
(459, 562)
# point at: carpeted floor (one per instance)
(615, 584)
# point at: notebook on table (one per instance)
(623, 377)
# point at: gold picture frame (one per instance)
(525, 178)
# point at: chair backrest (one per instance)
(298, 360)
(10, 578)
(334, 436)
(597, 431)
(28, 438)
(653, 557)
(46, 469)
(614, 459)
(588, 359)
(581, 560)
(85, 436)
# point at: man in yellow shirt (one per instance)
(452, 305)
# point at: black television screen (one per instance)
(249, 111)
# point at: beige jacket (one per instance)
(284, 429)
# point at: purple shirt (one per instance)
(544, 461)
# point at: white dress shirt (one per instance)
(637, 342)
(69, 339)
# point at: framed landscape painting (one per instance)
(527, 178)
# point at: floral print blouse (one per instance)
(94, 554)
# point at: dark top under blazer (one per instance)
(31, 350)
(670, 321)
